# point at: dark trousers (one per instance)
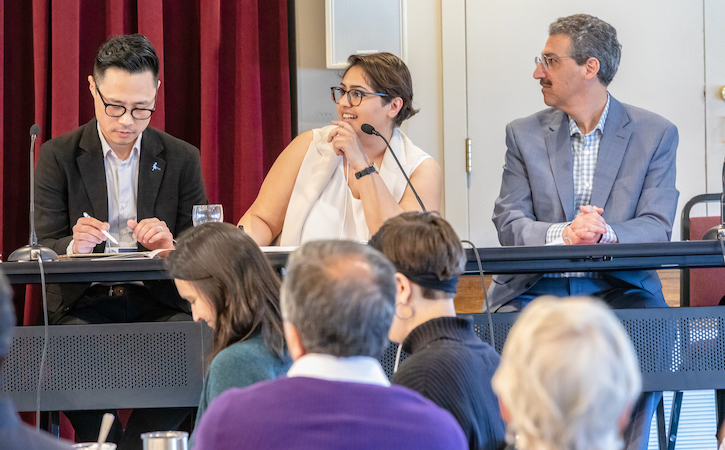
(618, 295)
(127, 303)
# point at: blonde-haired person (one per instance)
(568, 377)
(338, 182)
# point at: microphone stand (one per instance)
(33, 251)
(369, 129)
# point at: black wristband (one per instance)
(365, 171)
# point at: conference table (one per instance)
(495, 260)
(162, 364)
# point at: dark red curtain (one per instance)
(225, 88)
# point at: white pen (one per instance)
(108, 235)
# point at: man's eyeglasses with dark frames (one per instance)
(354, 96)
(118, 110)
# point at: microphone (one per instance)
(369, 129)
(32, 251)
(718, 232)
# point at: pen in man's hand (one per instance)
(108, 235)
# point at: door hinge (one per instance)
(468, 156)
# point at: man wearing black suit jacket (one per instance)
(137, 183)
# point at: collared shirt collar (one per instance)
(355, 369)
(574, 129)
(107, 148)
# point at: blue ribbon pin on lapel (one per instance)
(155, 167)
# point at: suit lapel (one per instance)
(93, 171)
(611, 152)
(151, 169)
(558, 146)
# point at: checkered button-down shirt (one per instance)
(585, 150)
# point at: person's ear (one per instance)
(591, 68)
(404, 289)
(394, 107)
(294, 342)
(91, 84)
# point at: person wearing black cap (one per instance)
(13, 432)
(448, 363)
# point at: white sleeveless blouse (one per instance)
(322, 205)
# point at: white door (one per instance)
(488, 52)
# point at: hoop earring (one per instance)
(399, 316)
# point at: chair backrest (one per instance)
(700, 287)
(677, 348)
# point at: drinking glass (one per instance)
(207, 213)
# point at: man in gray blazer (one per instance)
(587, 170)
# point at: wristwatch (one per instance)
(366, 171)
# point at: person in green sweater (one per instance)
(232, 287)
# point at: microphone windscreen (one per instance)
(367, 128)
(35, 130)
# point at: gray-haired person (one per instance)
(337, 306)
(15, 434)
(587, 170)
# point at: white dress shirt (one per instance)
(354, 369)
(122, 188)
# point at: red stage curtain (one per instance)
(225, 88)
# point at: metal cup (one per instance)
(166, 440)
(96, 446)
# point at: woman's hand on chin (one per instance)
(345, 142)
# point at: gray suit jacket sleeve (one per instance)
(54, 186)
(514, 215)
(656, 206)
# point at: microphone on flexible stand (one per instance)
(369, 129)
(33, 251)
(718, 232)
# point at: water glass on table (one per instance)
(207, 213)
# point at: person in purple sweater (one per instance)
(337, 305)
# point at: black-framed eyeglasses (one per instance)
(118, 110)
(354, 96)
(547, 61)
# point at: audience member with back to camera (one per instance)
(448, 363)
(231, 286)
(338, 182)
(568, 377)
(337, 302)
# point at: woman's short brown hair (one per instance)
(387, 74)
(424, 243)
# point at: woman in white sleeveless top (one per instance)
(338, 182)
